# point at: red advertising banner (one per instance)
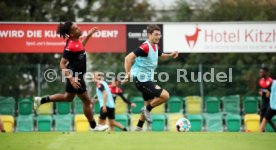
(42, 38)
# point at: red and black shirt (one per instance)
(74, 52)
(265, 85)
(143, 50)
(116, 91)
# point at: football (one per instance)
(183, 125)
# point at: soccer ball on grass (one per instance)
(183, 125)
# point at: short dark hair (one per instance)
(64, 29)
(152, 27)
(264, 67)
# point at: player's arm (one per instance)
(170, 55)
(124, 98)
(268, 91)
(141, 51)
(94, 99)
(128, 63)
(90, 33)
(74, 81)
(62, 66)
(102, 89)
(104, 100)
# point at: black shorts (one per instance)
(110, 114)
(70, 89)
(148, 89)
(270, 113)
(263, 112)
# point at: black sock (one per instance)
(92, 124)
(140, 123)
(45, 100)
(149, 107)
(124, 129)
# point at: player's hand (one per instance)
(74, 81)
(260, 92)
(174, 54)
(104, 109)
(133, 105)
(267, 94)
(92, 31)
(93, 101)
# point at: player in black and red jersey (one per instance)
(265, 88)
(117, 91)
(73, 64)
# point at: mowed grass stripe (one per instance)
(137, 140)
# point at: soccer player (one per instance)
(73, 64)
(271, 109)
(1, 126)
(107, 104)
(142, 71)
(117, 91)
(265, 84)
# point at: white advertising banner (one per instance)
(220, 37)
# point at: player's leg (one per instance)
(87, 109)
(262, 126)
(2, 126)
(149, 105)
(159, 96)
(272, 125)
(113, 123)
(66, 97)
(101, 125)
(268, 116)
(111, 120)
(102, 117)
(263, 111)
(142, 119)
(153, 96)
(102, 121)
(164, 96)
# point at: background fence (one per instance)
(28, 80)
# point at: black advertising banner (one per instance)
(137, 34)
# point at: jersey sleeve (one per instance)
(100, 87)
(140, 53)
(142, 50)
(270, 85)
(160, 52)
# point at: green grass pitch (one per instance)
(137, 140)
